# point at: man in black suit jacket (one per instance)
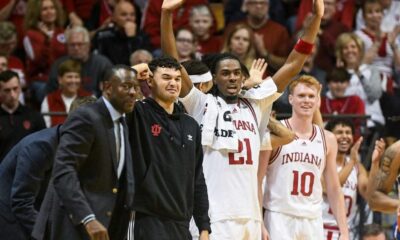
(24, 176)
(92, 189)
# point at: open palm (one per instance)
(171, 4)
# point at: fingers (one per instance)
(356, 145)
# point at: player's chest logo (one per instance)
(155, 130)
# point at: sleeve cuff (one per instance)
(204, 227)
(88, 219)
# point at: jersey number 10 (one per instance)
(305, 179)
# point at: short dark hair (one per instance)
(195, 67)
(345, 122)
(114, 71)
(338, 75)
(7, 75)
(214, 60)
(164, 62)
(372, 230)
(366, 2)
(68, 66)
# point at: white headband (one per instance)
(205, 77)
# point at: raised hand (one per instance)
(378, 151)
(171, 4)
(319, 7)
(354, 150)
(130, 29)
(257, 71)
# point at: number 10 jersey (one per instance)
(293, 185)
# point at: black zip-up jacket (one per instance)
(168, 157)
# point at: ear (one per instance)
(59, 79)
(290, 97)
(150, 81)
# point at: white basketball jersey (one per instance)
(293, 176)
(231, 177)
(349, 190)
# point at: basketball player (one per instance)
(293, 196)
(352, 177)
(381, 183)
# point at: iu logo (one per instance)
(155, 130)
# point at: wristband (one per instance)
(303, 47)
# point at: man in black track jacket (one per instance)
(167, 156)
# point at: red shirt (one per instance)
(346, 105)
(152, 18)
(45, 52)
(56, 104)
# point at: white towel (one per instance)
(213, 118)
(218, 132)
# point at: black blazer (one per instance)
(24, 175)
(85, 177)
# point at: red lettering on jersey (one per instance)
(301, 157)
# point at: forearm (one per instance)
(380, 202)
(280, 135)
(336, 202)
(345, 172)
(168, 45)
(295, 60)
(396, 55)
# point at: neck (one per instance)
(256, 23)
(69, 95)
(373, 30)
(9, 109)
(301, 125)
(167, 106)
(352, 66)
(229, 99)
(340, 159)
(204, 36)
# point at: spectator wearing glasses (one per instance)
(93, 66)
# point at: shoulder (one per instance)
(105, 33)
(330, 139)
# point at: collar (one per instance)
(115, 115)
(17, 110)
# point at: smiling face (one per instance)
(351, 53)
(122, 90)
(70, 83)
(165, 84)
(373, 15)
(304, 99)
(228, 77)
(48, 13)
(344, 137)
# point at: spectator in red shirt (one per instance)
(44, 42)
(69, 80)
(202, 23)
(14, 11)
(336, 102)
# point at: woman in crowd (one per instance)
(44, 41)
